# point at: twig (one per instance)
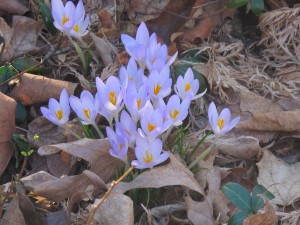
(113, 184)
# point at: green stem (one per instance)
(98, 130)
(167, 133)
(201, 156)
(80, 53)
(199, 143)
(72, 132)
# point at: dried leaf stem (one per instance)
(113, 184)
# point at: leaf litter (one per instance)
(263, 88)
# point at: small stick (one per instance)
(113, 184)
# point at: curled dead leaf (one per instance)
(7, 128)
(266, 218)
(161, 176)
(44, 89)
(95, 151)
(273, 121)
(21, 38)
(280, 178)
(13, 7)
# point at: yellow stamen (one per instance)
(64, 20)
(112, 97)
(76, 28)
(148, 158)
(156, 89)
(139, 102)
(174, 114)
(131, 78)
(151, 127)
(153, 60)
(221, 123)
(59, 114)
(121, 146)
(87, 113)
(187, 87)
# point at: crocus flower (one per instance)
(129, 126)
(157, 56)
(148, 154)
(58, 112)
(132, 74)
(136, 100)
(159, 83)
(187, 86)
(221, 124)
(110, 94)
(119, 144)
(153, 123)
(70, 19)
(177, 111)
(86, 107)
(136, 48)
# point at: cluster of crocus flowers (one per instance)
(137, 104)
(70, 19)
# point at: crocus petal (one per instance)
(234, 122)
(225, 115)
(142, 34)
(53, 105)
(163, 157)
(79, 11)
(213, 115)
(127, 40)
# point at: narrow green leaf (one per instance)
(6, 72)
(47, 18)
(257, 6)
(238, 195)
(21, 112)
(30, 152)
(24, 153)
(238, 218)
(258, 202)
(237, 3)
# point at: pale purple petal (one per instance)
(213, 115)
(142, 34)
(225, 115)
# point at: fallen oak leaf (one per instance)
(280, 178)
(44, 89)
(7, 128)
(266, 218)
(161, 176)
(95, 151)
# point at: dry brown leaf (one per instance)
(48, 132)
(22, 37)
(30, 215)
(243, 147)
(210, 15)
(253, 103)
(57, 189)
(7, 128)
(60, 164)
(220, 205)
(202, 212)
(33, 89)
(267, 218)
(13, 7)
(13, 215)
(105, 49)
(274, 121)
(165, 175)
(95, 151)
(280, 178)
(115, 210)
(168, 23)
(145, 10)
